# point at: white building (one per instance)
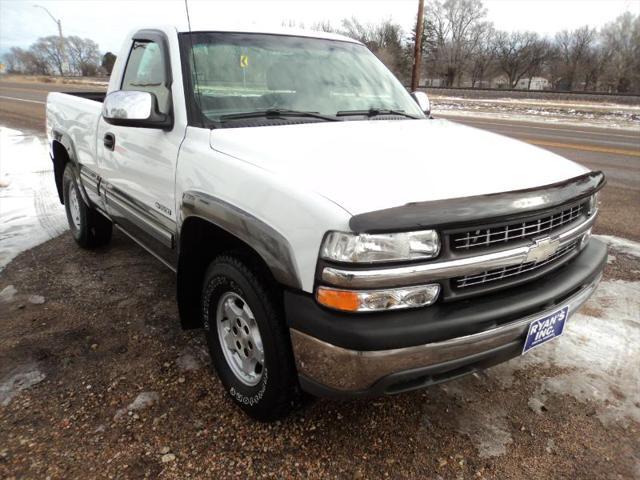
(537, 83)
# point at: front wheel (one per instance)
(248, 338)
(89, 227)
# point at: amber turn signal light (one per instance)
(338, 299)
(378, 300)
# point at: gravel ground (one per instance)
(98, 381)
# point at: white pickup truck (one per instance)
(328, 235)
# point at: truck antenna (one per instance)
(193, 60)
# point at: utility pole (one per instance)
(417, 53)
(59, 24)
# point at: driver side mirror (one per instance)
(423, 102)
(129, 108)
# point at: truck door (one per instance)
(137, 165)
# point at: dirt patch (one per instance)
(122, 392)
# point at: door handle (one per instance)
(110, 141)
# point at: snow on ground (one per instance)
(488, 428)
(30, 212)
(7, 294)
(17, 380)
(542, 102)
(622, 245)
(598, 351)
(142, 401)
(603, 115)
(597, 357)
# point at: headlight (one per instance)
(380, 247)
(378, 300)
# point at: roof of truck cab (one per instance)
(295, 32)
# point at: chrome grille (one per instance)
(506, 272)
(487, 237)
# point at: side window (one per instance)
(145, 72)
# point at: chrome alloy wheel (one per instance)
(240, 338)
(74, 205)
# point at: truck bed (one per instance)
(74, 117)
(95, 96)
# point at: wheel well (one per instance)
(200, 242)
(60, 159)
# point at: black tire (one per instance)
(277, 392)
(89, 228)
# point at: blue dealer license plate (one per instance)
(545, 329)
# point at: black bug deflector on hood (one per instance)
(466, 210)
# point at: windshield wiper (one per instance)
(372, 112)
(277, 113)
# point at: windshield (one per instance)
(243, 72)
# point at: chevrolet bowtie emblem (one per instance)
(542, 249)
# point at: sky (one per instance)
(107, 21)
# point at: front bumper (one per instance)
(366, 355)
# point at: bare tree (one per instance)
(594, 64)
(518, 54)
(385, 40)
(539, 55)
(31, 62)
(482, 62)
(84, 56)
(573, 49)
(19, 60)
(351, 27)
(37, 63)
(14, 60)
(323, 26)
(50, 50)
(454, 29)
(621, 41)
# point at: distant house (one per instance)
(481, 84)
(533, 83)
(537, 83)
(432, 82)
(500, 82)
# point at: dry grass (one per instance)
(54, 79)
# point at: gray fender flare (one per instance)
(65, 140)
(272, 246)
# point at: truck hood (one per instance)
(372, 165)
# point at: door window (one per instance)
(145, 72)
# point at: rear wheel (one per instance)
(248, 338)
(89, 227)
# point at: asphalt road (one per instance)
(22, 104)
(616, 152)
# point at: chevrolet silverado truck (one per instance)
(328, 235)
